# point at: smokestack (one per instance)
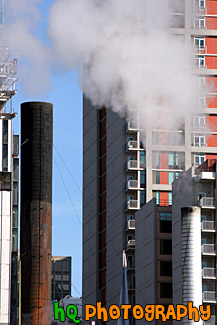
(36, 211)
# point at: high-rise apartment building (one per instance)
(194, 237)
(61, 277)
(125, 166)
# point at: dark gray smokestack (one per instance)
(36, 211)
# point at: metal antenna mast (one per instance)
(8, 69)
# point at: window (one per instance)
(199, 4)
(158, 197)
(199, 158)
(171, 177)
(204, 264)
(200, 61)
(199, 140)
(130, 261)
(165, 222)
(165, 247)
(199, 23)
(166, 290)
(202, 101)
(142, 158)
(171, 160)
(157, 177)
(170, 198)
(142, 198)
(129, 218)
(202, 82)
(199, 121)
(143, 178)
(199, 42)
(166, 268)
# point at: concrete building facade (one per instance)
(125, 166)
(61, 277)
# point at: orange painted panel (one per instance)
(211, 6)
(163, 160)
(211, 44)
(211, 141)
(211, 122)
(211, 101)
(163, 178)
(211, 23)
(211, 62)
(164, 198)
(210, 156)
(211, 84)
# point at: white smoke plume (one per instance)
(130, 58)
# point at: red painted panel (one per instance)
(211, 23)
(211, 6)
(211, 45)
(211, 62)
(163, 178)
(163, 160)
(211, 84)
(211, 141)
(211, 122)
(164, 199)
(211, 101)
(211, 156)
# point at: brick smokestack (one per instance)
(36, 211)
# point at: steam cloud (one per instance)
(130, 58)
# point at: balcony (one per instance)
(209, 296)
(210, 321)
(131, 243)
(208, 226)
(132, 145)
(200, 10)
(132, 205)
(132, 185)
(207, 203)
(209, 273)
(132, 126)
(132, 165)
(206, 176)
(131, 225)
(200, 50)
(208, 249)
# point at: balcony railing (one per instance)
(132, 185)
(131, 243)
(199, 11)
(132, 126)
(209, 296)
(209, 249)
(132, 204)
(132, 145)
(133, 164)
(131, 224)
(207, 202)
(208, 272)
(210, 321)
(208, 225)
(200, 50)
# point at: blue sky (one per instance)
(67, 100)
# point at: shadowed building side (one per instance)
(36, 211)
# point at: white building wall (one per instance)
(5, 256)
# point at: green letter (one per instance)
(58, 310)
(73, 315)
